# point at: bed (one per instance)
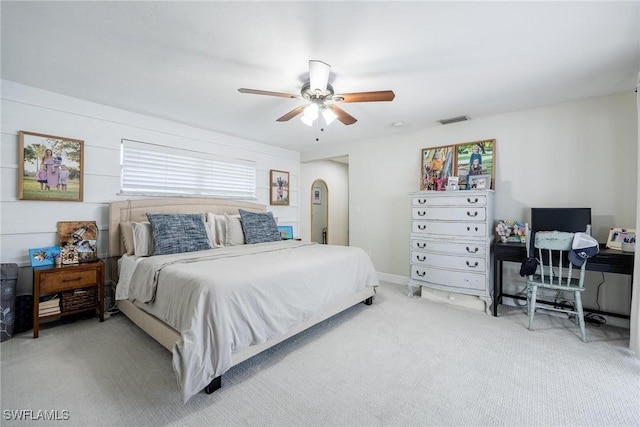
(214, 308)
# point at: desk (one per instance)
(607, 260)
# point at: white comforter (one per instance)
(226, 299)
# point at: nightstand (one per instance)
(73, 283)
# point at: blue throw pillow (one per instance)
(259, 227)
(177, 233)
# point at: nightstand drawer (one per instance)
(63, 280)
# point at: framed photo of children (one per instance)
(476, 158)
(437, 166)
(50, 167)
(279, 188)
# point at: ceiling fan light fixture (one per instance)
(328, 115)
(317, 91)
(311, 111)
(306, 120)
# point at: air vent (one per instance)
(454, 120)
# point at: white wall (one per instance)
(29, 224)
(580, 153)
(336, 176)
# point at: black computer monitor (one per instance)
(572, 220)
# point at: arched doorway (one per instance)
(319, 211)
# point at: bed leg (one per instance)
(368, 301)
(214, 385)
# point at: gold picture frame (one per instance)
(438, 164)
(50, 168)
(278, 188)
(476, 158)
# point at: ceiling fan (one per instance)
(322, 98)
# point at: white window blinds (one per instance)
(150, 169)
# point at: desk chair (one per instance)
(555, 272)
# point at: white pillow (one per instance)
(126, 234)
(219, 228)
(142, 239)
(211, 233)
(235, 235)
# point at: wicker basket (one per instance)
(80, 299)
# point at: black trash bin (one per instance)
(9, 278)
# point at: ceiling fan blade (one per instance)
(380, 95)
(319, 75)
(266, 92)
(291, 114)
(343, 116)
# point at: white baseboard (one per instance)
(393, 278)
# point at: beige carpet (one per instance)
(400, 361)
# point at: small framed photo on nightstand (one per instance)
(286, 232)
(41, 257)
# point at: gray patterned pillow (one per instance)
(259, 227)
(177, 233)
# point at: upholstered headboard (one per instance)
(136, 210)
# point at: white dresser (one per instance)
(451, 242)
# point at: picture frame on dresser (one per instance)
(476, 158)
(50, 168)
(437, 163)
(479, 182)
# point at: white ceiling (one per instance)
(185, 61)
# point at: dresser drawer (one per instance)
(455, 200)
(463, 229)
(63, 280)
(464, 263)
(450, 213)
(443, 246)
(449, 278)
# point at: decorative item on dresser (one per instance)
(451, 241)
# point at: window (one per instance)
(150, 169)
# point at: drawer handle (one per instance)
(422, 201)
(421, 213)
(475, 213)
(421, 258)
(469, 228)
(474, 251)
(77, 279)
(472, 266)
(474, 200)
(421, 226)
(421, 245)
(421, 273)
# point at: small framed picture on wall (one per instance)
(317, 195)
(279, 188)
